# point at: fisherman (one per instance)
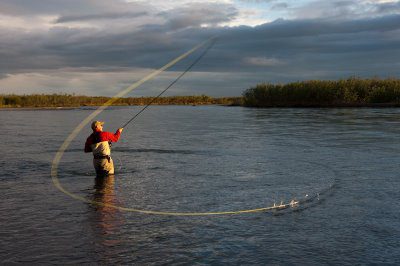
(99, 143)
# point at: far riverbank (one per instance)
(67, 101)
(351, 92)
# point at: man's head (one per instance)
(97, 125)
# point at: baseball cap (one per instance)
(97, 123)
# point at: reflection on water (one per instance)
(107, 220)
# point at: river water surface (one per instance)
(204, 159)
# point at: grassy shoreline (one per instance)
(352, 92)
(64, 101)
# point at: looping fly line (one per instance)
(57, 158)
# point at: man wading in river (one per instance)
(98, 143)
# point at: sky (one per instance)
(99, 47)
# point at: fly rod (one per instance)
(212, 42)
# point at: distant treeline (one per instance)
(317, 93)
(67, 100)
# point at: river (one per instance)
(201, 159)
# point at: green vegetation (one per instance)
(352, 92)
(316, 93)
(67, 100)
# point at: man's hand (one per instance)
(120, 129)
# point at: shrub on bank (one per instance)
(348, 92)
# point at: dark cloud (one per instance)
(151, 47)
(279, 6)
(102, 16)
(3, 75)
(393, 7)
(345, 9)
(288, 28)
(72, 8)
(196, 14)
(28, 7)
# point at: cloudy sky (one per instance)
(98, 47)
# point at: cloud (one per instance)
(388, 7)
(292, 28)
(198, 14)
(101, 16)
(73, 80)
(345, 9)
(262, 61)
(280, 6)
(70, 7)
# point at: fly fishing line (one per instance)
(57, 158)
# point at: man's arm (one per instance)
(114, 137)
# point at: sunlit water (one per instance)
(204, 159)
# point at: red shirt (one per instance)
(97, 137)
